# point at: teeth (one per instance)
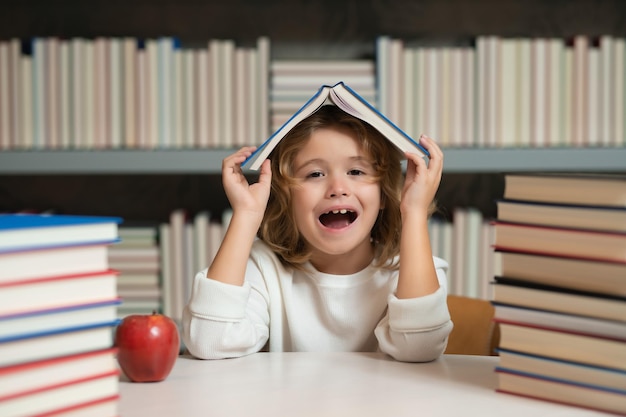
(342, 211)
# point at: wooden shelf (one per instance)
(481, 160)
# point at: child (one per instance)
(343, 259)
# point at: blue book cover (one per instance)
(25, 220)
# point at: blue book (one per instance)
(344, 97)
(37, 231)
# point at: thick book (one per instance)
(564, 345)
(64, 400)
(35, 231)
(15, 350)
(608, 277)
(24, 296)
(582, 189)
(31, 264)
(569, 371)
(348, 100)
(562, 321)
(52, 319)
(559, 241)
(542, 297)
(611, 219)
(562, 392)
(27, 378)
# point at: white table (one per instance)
(332, 384)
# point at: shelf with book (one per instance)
(208, 161)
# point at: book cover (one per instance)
(53, 292)
(565, 345)
(612, 219)
(572, 273)
(558, 391)
(557, 369)
(54, 262)
(28, 378)
(63, 399)
(581, 189)
(30, 231)
(40, 320)
(543, 297)
(349, 101)
(22, 349)
(558, 241)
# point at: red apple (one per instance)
(147, 346)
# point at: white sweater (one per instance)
(312, 311)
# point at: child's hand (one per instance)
(242, 195)
(422, 180)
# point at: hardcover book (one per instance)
(344, 97)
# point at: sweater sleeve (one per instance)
(224, 321)
(417, 329)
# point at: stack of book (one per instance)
(137, 258)
(560, 293)
(58, 307)
(293, 82)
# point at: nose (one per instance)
(337, 187)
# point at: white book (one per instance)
(40, 126)
(78, 92)
(349, 101)
(190, 98)
(177, 248)
(5, 97)
(52, 103)
(142, 99)
(383, 74)
(470, 137)
(255, 133)
(408, 119)
(152, 70)
(203, 97)
(89, 136)
(227, 95)
(26, 139)
(116, 109)
(167, 281)
(263, 59)
(593, 93)
(617, 135)
(430, 87)
(201, 239)
(509, 98)
(178, 109)
(444, 119)
(491, 93)
(568, 96)
(65, 108)
(605, 110)
(130, 93)
(580, 78)
(165, 49)
(17, 93)
(524, 112)
(241, 118)
(459, 242)
(216, 110)
(101, 96)
(539, 92)
(481, 90)
(458, 130)
(396, 89)
(473, 249)
(555, 91)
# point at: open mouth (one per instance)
(337, 219)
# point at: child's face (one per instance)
(337, 199)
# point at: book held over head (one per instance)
(344, 97)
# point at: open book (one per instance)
(352, 103)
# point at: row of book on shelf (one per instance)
(127, 93)
(560, 289)
(58, 309)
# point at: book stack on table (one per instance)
(560, 293)
(58, 308)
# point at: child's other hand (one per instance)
(422, 180)
(242, 195)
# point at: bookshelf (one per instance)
(478, 160)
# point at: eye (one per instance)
(315, 174)
(356, 172)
